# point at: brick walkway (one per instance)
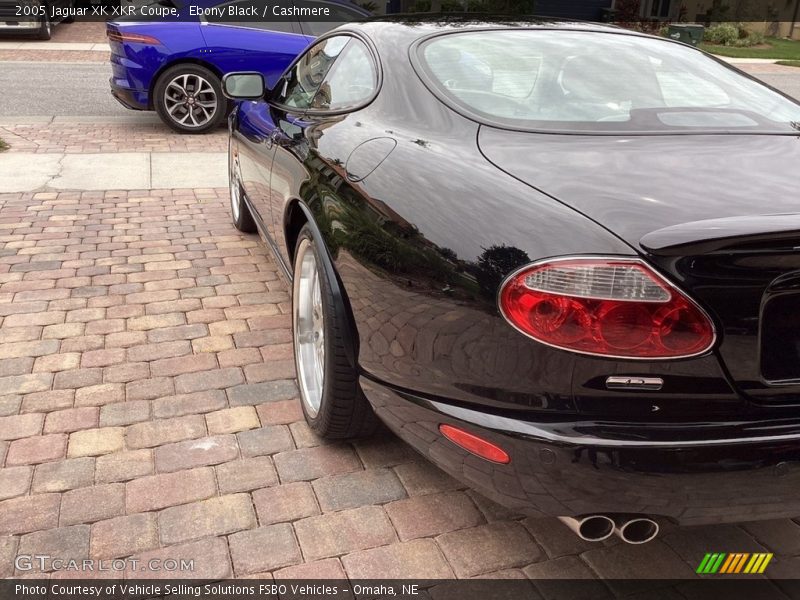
(85, 137)
(149, 409)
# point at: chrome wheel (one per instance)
(190, 100)
(309, 328)
(236, 191)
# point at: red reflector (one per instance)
(133, 38)
(477, 446)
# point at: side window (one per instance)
(351, 80)
(287, 26)
(303, 81)
(230, 9)
(337, 15)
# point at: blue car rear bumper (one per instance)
(133, 99)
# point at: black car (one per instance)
(34, 17)
(560, 260)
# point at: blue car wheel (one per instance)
(189, 99)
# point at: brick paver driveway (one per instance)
(150, 410)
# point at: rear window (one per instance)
(590, 82)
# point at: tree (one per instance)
(494, 264)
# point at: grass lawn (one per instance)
(773, 48)
(789, 63)
(3, 146)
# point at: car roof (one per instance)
(411, 26)
(207, 3)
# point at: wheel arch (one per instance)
(296, 215)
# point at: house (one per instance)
(779, 18)
(594, 10)
(773, 17)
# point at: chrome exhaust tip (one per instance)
(591, 528)
(635, 530)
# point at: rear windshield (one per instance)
(590, 82)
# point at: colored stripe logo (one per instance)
(735, 562)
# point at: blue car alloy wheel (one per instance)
(189, 99)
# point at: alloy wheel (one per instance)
(190, 100)
(309, 328)
(235, 191)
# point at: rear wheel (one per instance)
(333, 403)
(240, 213)
(189, 99)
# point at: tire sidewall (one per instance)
(208, 75)
(245, 223)
(319, 421)
(46, 28)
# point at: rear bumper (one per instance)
(133, 99)
(728, 475)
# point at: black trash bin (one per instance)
(688, 33)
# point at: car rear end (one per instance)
(22, 16)
(660, 379)
(140, 49)
(137, 52)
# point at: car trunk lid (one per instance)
(720, 214)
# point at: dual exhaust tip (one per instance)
(596, 528)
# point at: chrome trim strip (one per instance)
(634, 382)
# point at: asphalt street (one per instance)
(73, 89)
(788, 83)
(60, 89)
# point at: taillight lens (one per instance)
(609, 307)
(130, 37)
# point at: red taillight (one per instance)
(130, 37)
(609, 307)
(472, 443)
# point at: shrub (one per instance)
(722, 35)
(752, 39)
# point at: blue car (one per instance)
(176, 67)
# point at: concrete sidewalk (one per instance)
(27, 172)
(748, 61)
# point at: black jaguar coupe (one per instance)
(560, 260)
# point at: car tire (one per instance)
(333, 403)
(45, 31)
(188, 98)
(240, 212)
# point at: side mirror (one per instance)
(243, 86)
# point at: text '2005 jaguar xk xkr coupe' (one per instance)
(558, 259)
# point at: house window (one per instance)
(659, 9)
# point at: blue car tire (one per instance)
(189, 99)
